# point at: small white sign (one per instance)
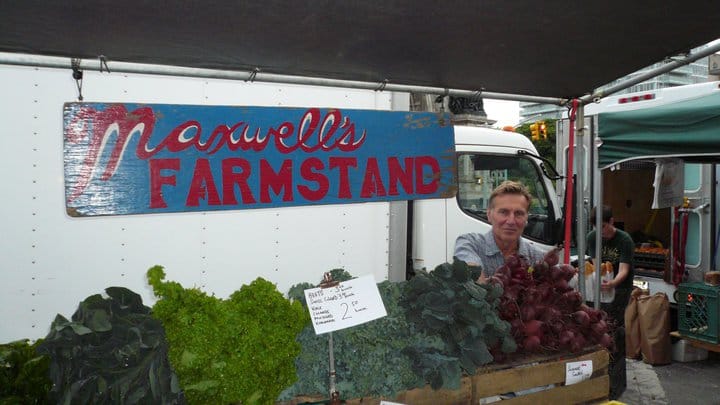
(390, 403)
(578, 371)
(669, 183)
(347, 304)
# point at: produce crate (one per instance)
(652, 264)
(544, 371)
(497, 379)
(698, 305)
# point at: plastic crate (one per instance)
(654, 261)
(698, 307)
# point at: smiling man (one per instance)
(508, 215)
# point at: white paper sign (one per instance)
(669, 183)
(348, 304)
(578, 371)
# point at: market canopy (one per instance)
(688, 129)
(551, 49)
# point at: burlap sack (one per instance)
(632, 326)
(654, 319)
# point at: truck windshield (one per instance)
(479, 174)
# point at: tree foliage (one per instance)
(545, 147)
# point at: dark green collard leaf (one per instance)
(508, 345)
(297, 292)
(475, 290)
(461, 272)
(111, 352)
(445, 271)
(437, 369)
(475, 272)
(468, 322)
(340, 275)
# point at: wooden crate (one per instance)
(544, 371)
(514, 376)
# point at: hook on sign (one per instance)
(77, 74)
(103, 64)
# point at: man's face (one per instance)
(508, 216)
(607, 230)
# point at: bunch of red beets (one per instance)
(544, 312)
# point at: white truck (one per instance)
(670, 124)
(53, 260)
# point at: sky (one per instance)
(505, 112)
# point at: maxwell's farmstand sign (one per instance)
(153, 158)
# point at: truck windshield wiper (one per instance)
(554, 176)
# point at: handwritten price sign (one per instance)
(578, 371)
(347, 304)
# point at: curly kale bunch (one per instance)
(369, 359)
(23, 373)
(224, 351)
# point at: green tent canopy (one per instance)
(688, 129)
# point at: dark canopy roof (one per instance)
(688, 129)
(544, 48)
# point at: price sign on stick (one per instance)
(346, 304)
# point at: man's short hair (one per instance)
(511, 187)
(606, 214)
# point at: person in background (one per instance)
(508, 215)
(617, 248)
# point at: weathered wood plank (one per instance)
(533, 375)
(582, 392)
(502, 378)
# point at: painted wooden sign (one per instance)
(154, 158)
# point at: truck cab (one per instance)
(485, 157)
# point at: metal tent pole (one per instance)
(598, 94)
(581, 169)
(255, 75)
(597, 175)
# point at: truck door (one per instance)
(700, 232)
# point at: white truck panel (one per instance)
(52, 261)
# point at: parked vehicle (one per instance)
(636, 131)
